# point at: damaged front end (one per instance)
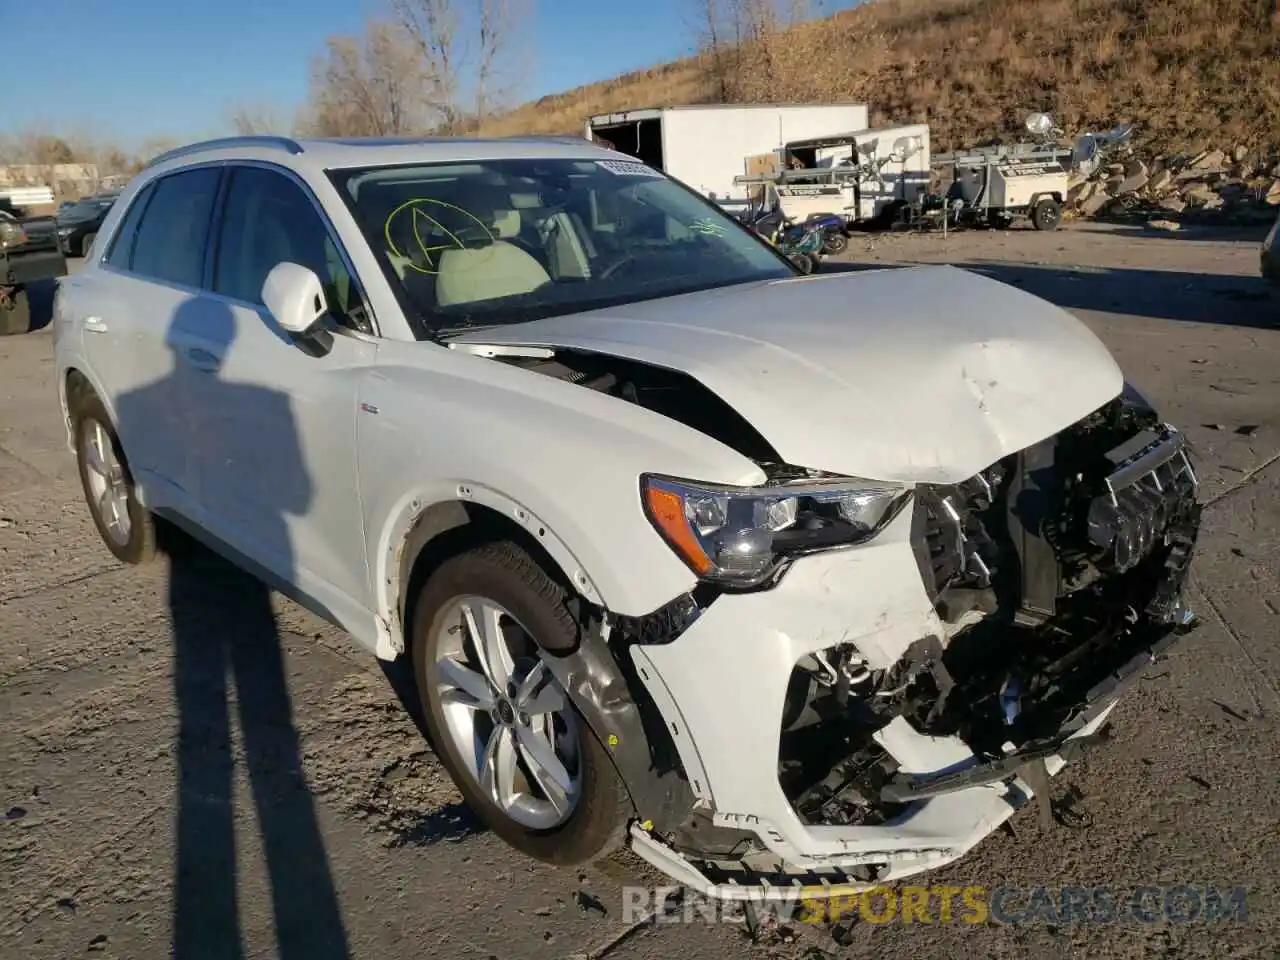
(1054, 578)
(1058, 575)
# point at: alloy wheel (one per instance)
(508, 717)
(106, 480)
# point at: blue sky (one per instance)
(131, 69)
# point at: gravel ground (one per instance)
(316, 823)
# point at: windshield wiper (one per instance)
(457, 331)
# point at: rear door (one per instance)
(127, 303)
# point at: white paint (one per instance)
(928, 374)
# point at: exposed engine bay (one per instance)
(1057, 570)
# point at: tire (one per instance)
(134, 542)
(1046, 215)
(834, 243)
(505, 575)
(803, 262)
(16, 317)
(86, 243)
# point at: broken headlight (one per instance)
(737, 535)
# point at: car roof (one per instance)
(318, 155)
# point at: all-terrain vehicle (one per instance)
(28, 254)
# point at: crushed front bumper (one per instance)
(721, 685)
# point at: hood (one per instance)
(922, 374)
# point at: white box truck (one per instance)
(706, 146)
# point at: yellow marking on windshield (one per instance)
(435, 224)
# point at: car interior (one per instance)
(469, 235)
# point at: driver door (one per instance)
(276, 464)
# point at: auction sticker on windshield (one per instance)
(629, 168)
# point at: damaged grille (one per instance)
(1075, 551)
(951, 533)
(1151, 480)
(1094, 501)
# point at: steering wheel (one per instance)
(617, 265)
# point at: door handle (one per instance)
(95, 325)
(201, 359)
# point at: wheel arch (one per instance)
(424, 531)
(77, 381)
(594, 679)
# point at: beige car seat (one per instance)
(495, 269)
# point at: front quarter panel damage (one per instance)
(547, 454)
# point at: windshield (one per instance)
(507, 241)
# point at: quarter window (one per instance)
(171, 239)
(120, 255)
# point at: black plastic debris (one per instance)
(589, 904)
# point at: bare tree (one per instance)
(501, 63)
(470, 53)
(432, 26)
(711, 34)
(253, 119)
(739, 41)
(369, 85)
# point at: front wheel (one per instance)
(834, 243)
(15, 311)
(523, 758)
(803, 262)
(1046, 215)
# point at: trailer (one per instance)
(886, 176)
(704, 146)
(861, 175)
(998, 184)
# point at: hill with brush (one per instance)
(1188, 73)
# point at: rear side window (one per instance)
(170, 240)
(121, 253)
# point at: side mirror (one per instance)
(295, 297)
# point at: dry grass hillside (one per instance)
(1188, 72)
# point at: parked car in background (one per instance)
(783, 579)
(28, 253)
(1271, 255)
(78, 224)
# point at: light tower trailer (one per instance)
(1000, 184)
(863, 176)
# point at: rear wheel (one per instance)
(1046, 215)
(803, 262)
(126, 527)
(503, 726)
(834, 243)
(15, 311)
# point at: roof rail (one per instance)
(280, 143)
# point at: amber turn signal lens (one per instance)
(667, 511)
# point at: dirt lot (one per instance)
(313, 822)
